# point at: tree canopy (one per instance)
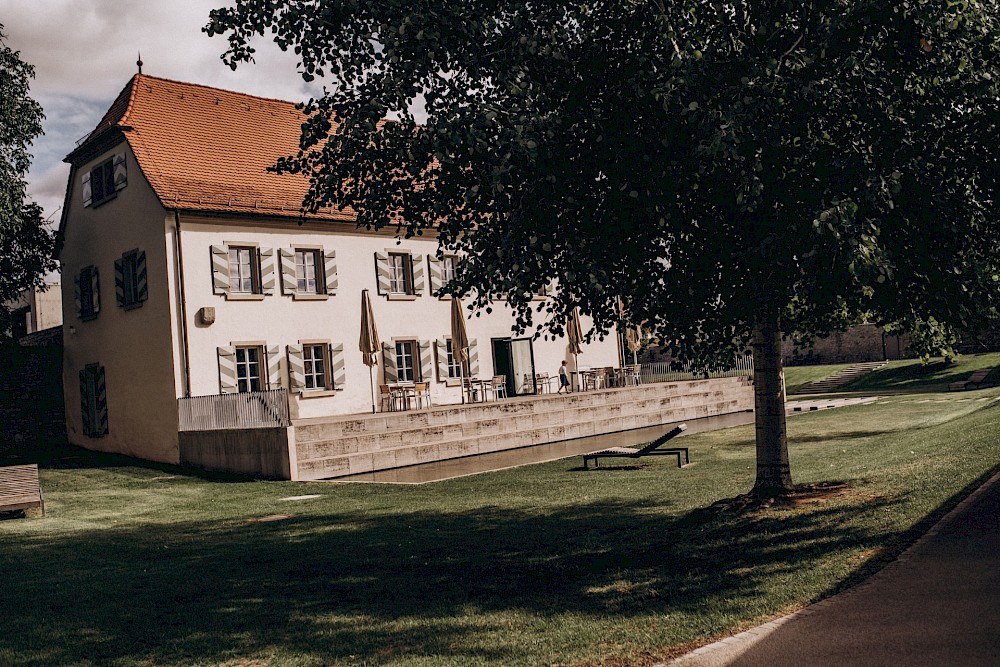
(26, 247)
(729, 169)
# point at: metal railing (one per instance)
(252, 409)
(663, 372)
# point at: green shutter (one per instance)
(267, 267)
(426, 360)
(473, 359)
(330, 271)
(121, 172)
(382, 273)
(434, 273)
(389, 363)
(120, 281)
(220, 269)
(85, 403)
(101, 407)
(141, 283)
(442, 358)
(286, 260)
(274, 368)
(76, 296)
(227, 370)
(419, 284)
(337, 365)
(296, 368)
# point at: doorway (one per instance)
(515, 359)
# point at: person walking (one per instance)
(564, 379)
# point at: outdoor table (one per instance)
(403, 390)
(476, 387)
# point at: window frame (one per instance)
(254, 265)
(102, 175)
(87, 297)
(318, 268)
(325, 370)
(453, 364)
(261, 363)
(414, 357)
(406, 268)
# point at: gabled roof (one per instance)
(206, 149)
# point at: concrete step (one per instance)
(335, 447)
(839, 379)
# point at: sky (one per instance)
(85, 51)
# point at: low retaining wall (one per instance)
(261, 452)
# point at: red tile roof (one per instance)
(206, 149)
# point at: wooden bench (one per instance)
(19, 488)
(976, 381)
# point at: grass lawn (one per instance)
(544, 565)
(911, 375)
(797, 377)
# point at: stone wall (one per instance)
(865, 342)
(31, 397)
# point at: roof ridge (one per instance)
(216, 89)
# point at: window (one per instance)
(89, 298)
(454, 366)
(306, 277)
(400, 273)
(248, 368)
(130, 279)
(244, 270)
(405, 368)
(102, 182)
(314, 360)
(448, 263)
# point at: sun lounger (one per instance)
(655, 448)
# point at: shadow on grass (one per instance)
(932, 377)
(391, 587)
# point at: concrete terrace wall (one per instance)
(261, 452)
(327, 448)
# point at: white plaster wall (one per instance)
(46, 309)
(280, 320)
(133, 346)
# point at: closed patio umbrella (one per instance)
(369, 343)
(459, 338)
(633, 339)
(574, 335)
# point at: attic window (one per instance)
(102, 182)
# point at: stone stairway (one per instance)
(840, 378)
(336, 446)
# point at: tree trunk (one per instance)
(773, 474)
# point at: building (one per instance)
(36, 310)
(189, 271)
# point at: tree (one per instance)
(26, 247)
(731, 169)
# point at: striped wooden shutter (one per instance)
(101, 407)
(120, 282)
(141, 281)
(121, 175)
(76, 295)
(296, 369)
(274, 368)
(426, 360)
(382, 273)
(286, 260)
(267, 267)
(473, 358)
(220, 269)
(419, 284)
(442, 358)
(434, 273)
(87, 192)
(337, 364)
(95, 292)
(330, 271)
(227, 370)
(85, 398)
(389, 363)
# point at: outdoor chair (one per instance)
(498, 386)
(471, 387)
(655, 448)
(422, 394)
(385, 398)
(632, 374)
